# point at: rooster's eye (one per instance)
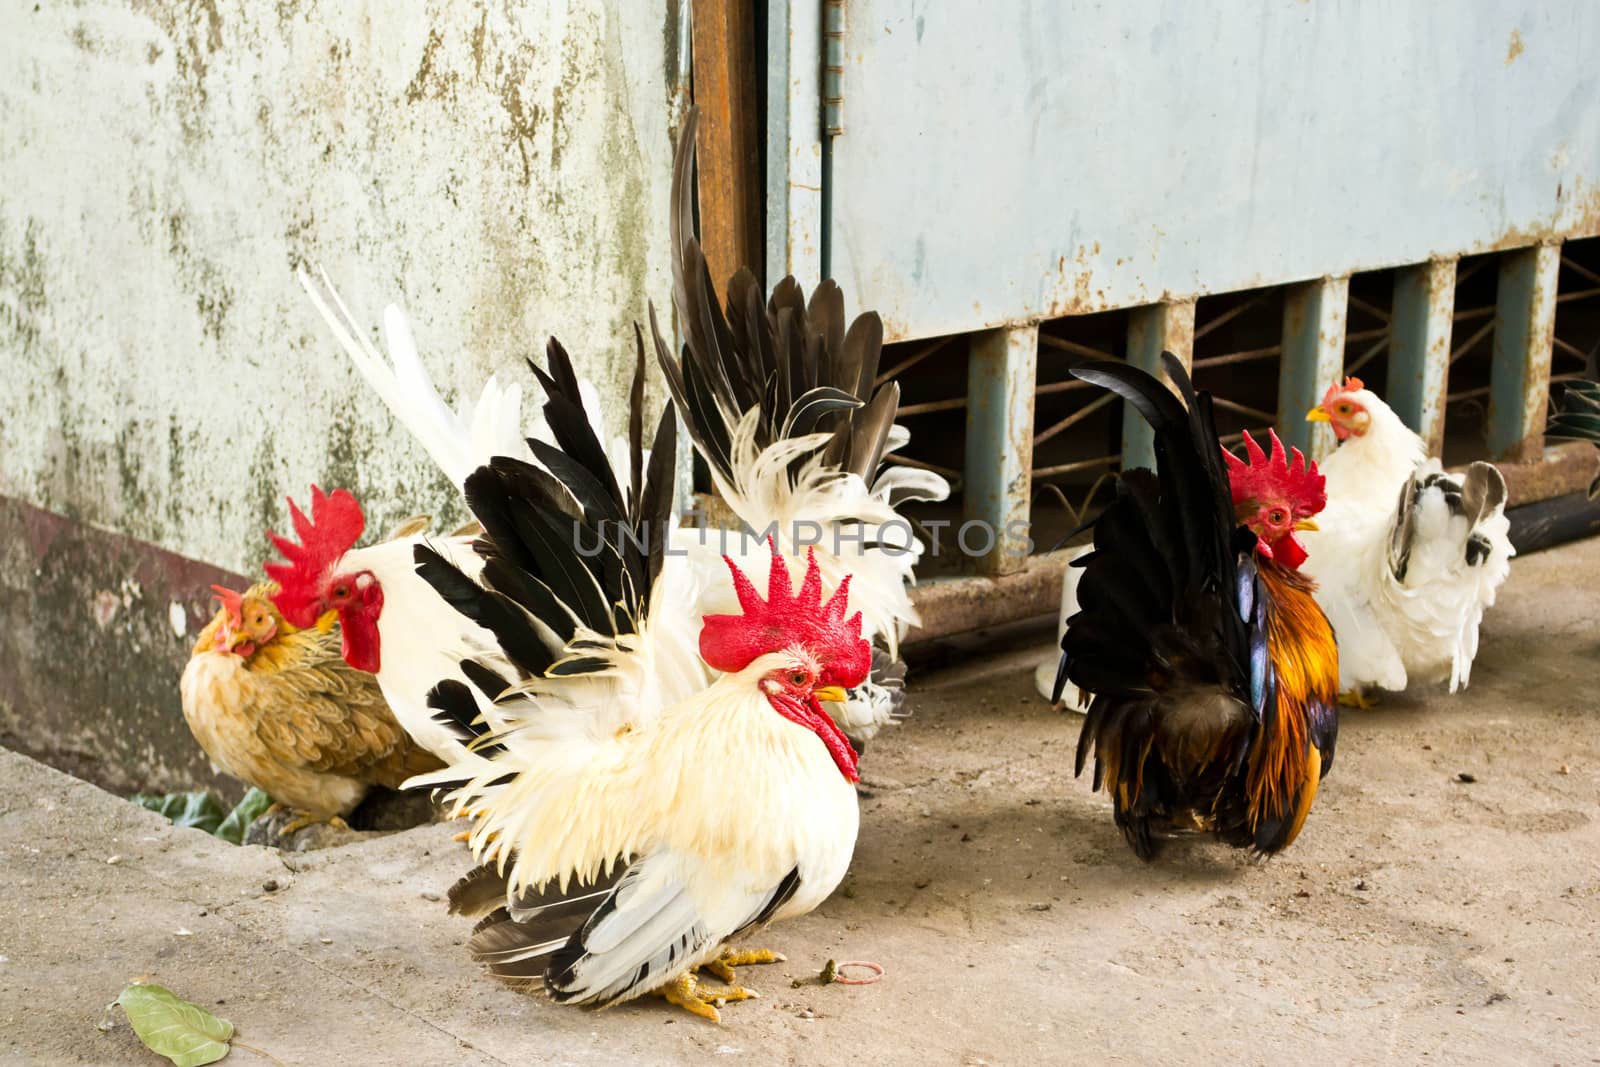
(1276, 517)
(798, 678)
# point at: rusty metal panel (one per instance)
(1313, 356)
(1524, 329)
(1152, 330)
(1002, 371)
(794, 141)
(1420, 324)
(1019, 161)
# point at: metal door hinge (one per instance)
(833, 22)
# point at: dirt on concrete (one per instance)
(1441, 905)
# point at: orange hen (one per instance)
(278, 708)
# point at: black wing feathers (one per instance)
(795, 360)
(563, 545)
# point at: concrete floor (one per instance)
(1419, 916)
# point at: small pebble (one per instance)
(966, 837)
(1565, 769)
(1361, 884)
(1042, 906)
(113, 860)
(921, 883)
(270, 885)
(1465, 776)
(326, 940)
(429, 895)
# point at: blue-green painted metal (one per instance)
(1524, 334)
(1153, 329)
(1420, 321)
(1016, 161)
(1313, 357)
(1002, 372)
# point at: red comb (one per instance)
(1351, 384)
(1276, 477)
(232, 602)
(785, 619)
(333, 529)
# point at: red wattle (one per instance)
(1289, 551)
(360, 646)
(810, 715)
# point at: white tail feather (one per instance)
(457, 442)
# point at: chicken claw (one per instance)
(1355, 698)
(305, 819)
(722, 967)
(686, 992)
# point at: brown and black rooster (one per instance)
(1213, 672)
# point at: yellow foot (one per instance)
(722, 967)
(1355, 698)
(686, 992)
(305, 819)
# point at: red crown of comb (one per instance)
(1351, 384)
(785, 619)
(232, 602)
(332, 530)
(1296, 481)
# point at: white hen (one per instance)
(1407, 557)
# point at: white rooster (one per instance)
(620, 857)
(782, 402)
(1407, 556)
(393, 624)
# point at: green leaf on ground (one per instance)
(184, 1033)
(202, 811)
(239, 819)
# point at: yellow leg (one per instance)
(686, 992)
(305, 819)
(1355, 698)
(722, 967)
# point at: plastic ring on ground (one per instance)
(838, 973)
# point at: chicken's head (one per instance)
(315, 587)
(1345, 408)
(807, 650)
(1275, 497)
(245, 623)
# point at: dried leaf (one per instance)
(170, 1026)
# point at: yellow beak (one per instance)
(832, 694)
(1318, 415)
(326, 620)
(1306, 524)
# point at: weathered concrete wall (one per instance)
(167, 165)
(163, 380)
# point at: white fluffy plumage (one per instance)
(1403, 573)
